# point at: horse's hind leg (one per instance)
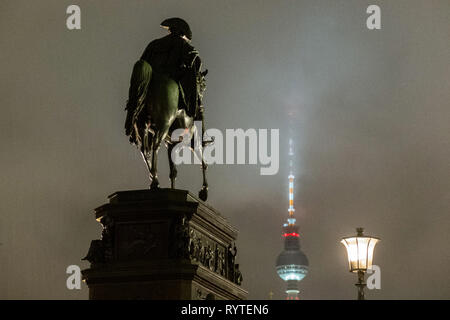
(156, 143)
(153, 168)
(147, 163)
(173, 169)
(145, 148)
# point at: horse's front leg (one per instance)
(203, 193)
(197, 149)
(173, 169)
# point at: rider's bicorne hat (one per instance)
(177, 26)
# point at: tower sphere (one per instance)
(292, 265)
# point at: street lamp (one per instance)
(360, 255)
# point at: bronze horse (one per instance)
(153, 115)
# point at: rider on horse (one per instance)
(166, 90)
(174, 56)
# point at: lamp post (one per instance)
(360, 256)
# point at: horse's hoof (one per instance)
(203, 194)
(172, 179)
(155, 184)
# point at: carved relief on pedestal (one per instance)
(202, 294)
(147, 241)
(101, 251)
(213, 255)
(180, 239)
(138, 241)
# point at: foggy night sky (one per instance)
(372, 135)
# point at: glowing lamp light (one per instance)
(360, 256)
(360, 251)
(292, 272)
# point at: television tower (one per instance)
(292, 263)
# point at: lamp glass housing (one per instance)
(360, 252)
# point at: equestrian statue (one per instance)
(166, 91)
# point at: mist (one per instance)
(368, 111)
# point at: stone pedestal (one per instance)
(162, 244)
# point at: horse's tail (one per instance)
(139, 83)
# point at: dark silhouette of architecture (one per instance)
(162, 244)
